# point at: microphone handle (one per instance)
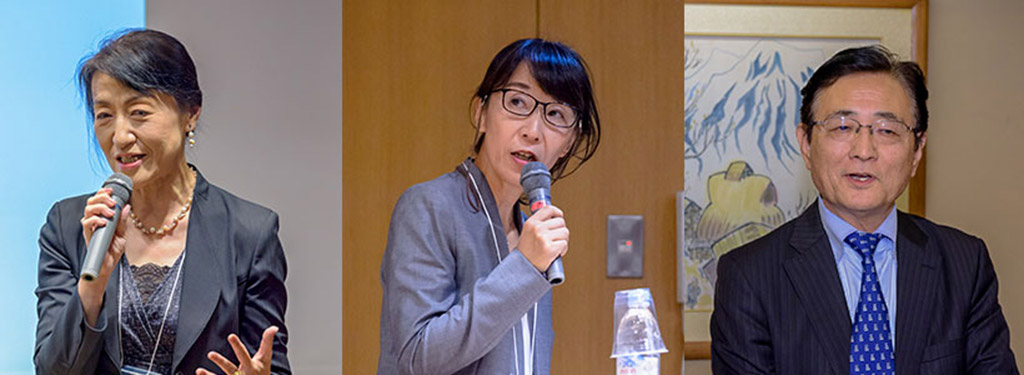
(538, 199)
(99, 243)
(556, 274)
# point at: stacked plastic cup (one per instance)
(638, 344)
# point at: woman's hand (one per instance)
(98, 209)
(258, 364)
(544, 238)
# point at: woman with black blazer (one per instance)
(189, 265)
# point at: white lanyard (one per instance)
(529, 338)
(529, 341)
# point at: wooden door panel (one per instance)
(410, 70)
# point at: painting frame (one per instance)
(701, 349)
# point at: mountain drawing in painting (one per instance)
(744, 175)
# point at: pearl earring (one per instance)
(191, 138)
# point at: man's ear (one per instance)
(803, 135)
(918, 152)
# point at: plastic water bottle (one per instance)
(637, 364)
(638, 342)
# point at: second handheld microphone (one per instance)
(536, 182)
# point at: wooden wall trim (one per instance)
(835, 3)
(697, 350)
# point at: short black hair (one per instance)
(563, 74)
(870, 59)
(147, 61)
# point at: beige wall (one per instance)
(270, 132)
(975, 139)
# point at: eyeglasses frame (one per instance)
(536, 103)
(871, 126)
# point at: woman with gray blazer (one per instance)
(463, 272)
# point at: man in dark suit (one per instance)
(852, 286)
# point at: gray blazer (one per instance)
(449, 306)
(232, 282)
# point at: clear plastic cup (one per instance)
(636, 325)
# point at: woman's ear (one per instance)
(193, 119)
(478, 113)
(569, 146)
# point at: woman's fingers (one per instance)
(240, 352)
(266, 350)
(558, 235)
(224, 364)
(553, 229)
(122, 224)
(546, 219)
(117, 245)
(561, 246)
(102, 196)
(553, 225)
(90, 223)
(98, 208)
(547, 212)
(100, 204)
(545, 237)
(245, 363)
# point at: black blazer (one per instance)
(779, 305)
(232, 282)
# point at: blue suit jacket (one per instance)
(779, 305)
(232, 282)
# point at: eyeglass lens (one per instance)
(523, 104)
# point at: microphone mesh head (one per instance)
(535, 175)
(121, 184)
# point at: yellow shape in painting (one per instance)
(737, 197)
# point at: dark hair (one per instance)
(147, 61)
(563, 74)
(871, 59)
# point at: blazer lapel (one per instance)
(110, 308)
(201, 280)
(811, 268)
(917, 273)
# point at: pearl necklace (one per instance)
(167, 227)
(164, 229)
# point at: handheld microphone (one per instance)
(122, 187)
(536, 182)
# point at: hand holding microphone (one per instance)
(104, 234)
(545, 237)
(99, 225)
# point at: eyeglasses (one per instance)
(522, 104)
(885, 131)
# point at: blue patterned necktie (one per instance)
(870, 346)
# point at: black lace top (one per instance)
(145, 291)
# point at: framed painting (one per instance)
(745, 63)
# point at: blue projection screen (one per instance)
(46, 150)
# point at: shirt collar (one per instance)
(837, 229)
